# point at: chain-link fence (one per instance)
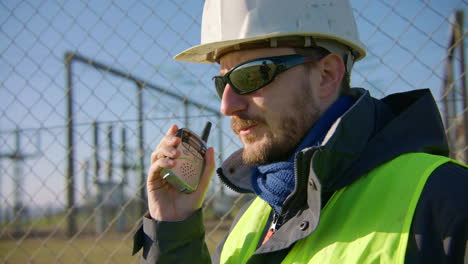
(88, 88)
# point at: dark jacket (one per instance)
(369, 134)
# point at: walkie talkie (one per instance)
(191, 162)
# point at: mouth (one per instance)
(244, 127)
(246, 130)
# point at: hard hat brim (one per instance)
(202, 53)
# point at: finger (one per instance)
(157, 185)
(168, 136)
(171, 141)
(209, 158)
(166, 148)
(154, 156)
(163, 184)
(164, 152)
(172, 130)
(154, 172)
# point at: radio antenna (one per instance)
(206, 131)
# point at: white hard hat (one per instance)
(229, 25)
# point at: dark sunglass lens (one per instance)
(220, 84)
(252, 75)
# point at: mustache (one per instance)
(241, 122)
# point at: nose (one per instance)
(231, 102)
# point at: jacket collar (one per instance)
(370, 133)
(376, 131)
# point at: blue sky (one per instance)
(406, 43)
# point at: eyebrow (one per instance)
(221, 70)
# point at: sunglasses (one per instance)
(252, 75)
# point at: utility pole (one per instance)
(454, 91)
(18, 158)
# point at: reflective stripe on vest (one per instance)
(366, 222)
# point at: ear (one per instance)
(332, 71)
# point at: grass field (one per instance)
(105, 249)
(43, 240)
(90, 248)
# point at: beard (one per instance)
(279, 141)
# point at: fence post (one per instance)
(123, 150)
(123, 181)
(110, 157)
(97, 165)
(456, 125)
(141, 149)
(459, 39)
(69, 180)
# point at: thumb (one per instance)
(208, 171)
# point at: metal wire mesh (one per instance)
(89, 88)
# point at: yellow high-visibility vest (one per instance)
(365, 222)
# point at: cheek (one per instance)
(314, 83)
(278, 115)
(283, 99)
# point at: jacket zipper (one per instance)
(273, 227)
(296, 179)
(278, 218)
(274, 223)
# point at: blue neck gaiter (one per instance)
(274, 182)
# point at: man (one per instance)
(340, 177)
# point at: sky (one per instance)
(406, 43)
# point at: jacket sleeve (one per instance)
(172, 242)
(439, 232)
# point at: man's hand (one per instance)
(166, 203)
